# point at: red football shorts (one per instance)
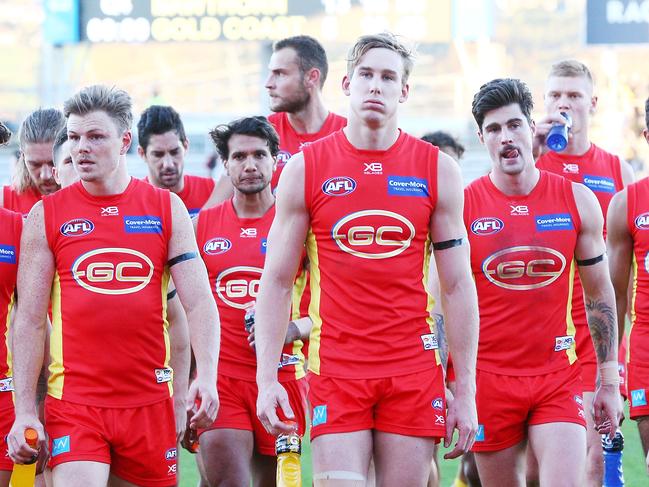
(410, 405)
(638, 387)
(507, 405)
(6, 420)
(238, 410)
(138, 443)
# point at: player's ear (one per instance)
(345, 85)
(593, 104)
(127, 138)
(480, 137)
(140, 151)
(405, 90)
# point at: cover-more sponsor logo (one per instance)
(642, 221)
(487, 225)
(524, 267)
(77, 227)
(7, 254)
(373, 234)
(599, 183)
(239, 285)
(338, 186)
(557, 221)
(113, 271)
(217, 245)
(407, 186)
(142, 224)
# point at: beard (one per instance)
(295, 103)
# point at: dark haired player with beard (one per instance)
(232, 241)
(530, 231)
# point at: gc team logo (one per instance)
(338, 186)
(77, 227)
(373, 234)
(239, 285)
(487, 225)
(524, 268)
(216, 246)
(642, 221)
(113, 271)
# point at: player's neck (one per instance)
(253, 205)
(520, 184)
(366, 137)
(113, 184)
(311, 118)
(578, 144)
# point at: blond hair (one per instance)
(116, 103)
(384, 40)
(570, 68)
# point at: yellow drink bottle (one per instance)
(24, 474)
(288, 448)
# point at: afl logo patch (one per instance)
(338, 186)
(642, 221)
(217, 246)
(77, 227)
(487, 225)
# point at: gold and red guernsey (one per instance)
(291, 142)
(196, 191)
(109, 343)
(10, 228)
(638, 223)
(599, 171)
(522, 257)
(368, 246)
(234, 250)
(20, 202)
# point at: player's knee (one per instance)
(338, 478)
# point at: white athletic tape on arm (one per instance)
(338, 475)
(609, 374)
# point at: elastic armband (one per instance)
(182, 258)
(448, 244)
(172, 294)
(593, 261)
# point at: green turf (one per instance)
(634, 470)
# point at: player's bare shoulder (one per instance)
(590, 213)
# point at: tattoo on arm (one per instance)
(442, 343)
(603, 328)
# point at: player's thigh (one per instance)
(502, 468)
(561, 452)
(227, 454)
(643, 429)
(80, 474)
(264, 470)
(402, 460)
(341, 459)
(5, 475)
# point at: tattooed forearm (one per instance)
(441, 338)
(603, 328)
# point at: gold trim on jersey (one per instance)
(634, 295)
(430, 300)
(10, 309)
(571, 353)
(165, 323)
(298, 291)
(314, 305)
(56, 379)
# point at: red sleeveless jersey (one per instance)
(638, 223)
(522, 256)
(290, 143)
(599, 171)
(234, 250)
(10, 227)
(20, 202)
(109, 342)
(196, 191)
(368, 246)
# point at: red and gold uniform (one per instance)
(10, 228)
(638, 352)
(599, 171)
(234, 250)
(110, 385)
(20, 202)
(196, 191)
(522, 256)
(290, 143)
(372, 343)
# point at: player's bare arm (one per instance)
(437, 313)
(628, 176)
(619, 245)
(191, 281)
(600, 308)
(180, 358)
(285, 245)
(34, 281)
(457, 287)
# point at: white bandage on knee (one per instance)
(338, 475)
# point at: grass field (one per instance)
(634, 469)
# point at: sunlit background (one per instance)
(208, 58)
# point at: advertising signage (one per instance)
(617, 22)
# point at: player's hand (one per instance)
(205, 392)
(463, 417)
(543, 126)
(270, 397)
(19, 450)
(251, 337)
(607, 409)
(180, 412)
(189, 440)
